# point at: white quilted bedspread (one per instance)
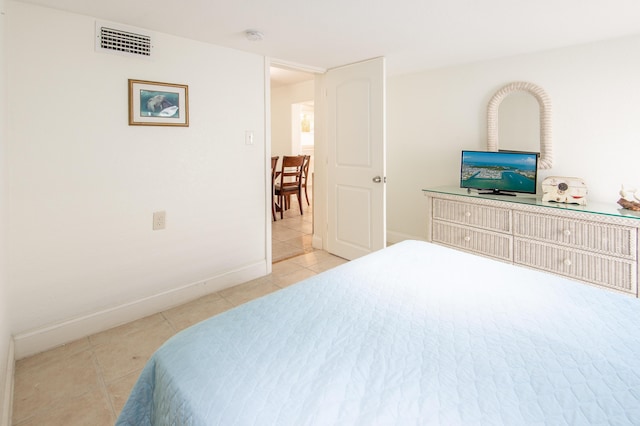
(415, 334)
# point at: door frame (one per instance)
(319, 205)
(320, 182)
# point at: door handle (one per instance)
(377, 179)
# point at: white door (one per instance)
(356, 159)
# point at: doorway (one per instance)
(292, 133)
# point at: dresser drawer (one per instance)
(486, 243)
(485, 217)
(601, 238)
(611, 272)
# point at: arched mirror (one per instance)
(515, 92)
(519, 129)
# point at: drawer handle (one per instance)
(567, 262)
(566, 232)
(468, 214)
(467, 238)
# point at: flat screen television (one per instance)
(499, 173)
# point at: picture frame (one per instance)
(152, 103)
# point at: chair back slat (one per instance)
(274, 168)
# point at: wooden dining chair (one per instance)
(290, 181)
(305, 176)
(274, 172)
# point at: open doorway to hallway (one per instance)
(292, 133)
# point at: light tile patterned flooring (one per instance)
(88, 381)
(292, 235)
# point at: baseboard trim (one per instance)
(316, 242)
(7, 396)
(397, 237)
(44, 338)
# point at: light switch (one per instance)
(248, 137)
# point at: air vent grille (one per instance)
(115, 40)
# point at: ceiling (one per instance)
(283, 77)
(412, 34)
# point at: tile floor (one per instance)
(292, 235)
(88, 381)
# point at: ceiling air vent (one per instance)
(125, 41)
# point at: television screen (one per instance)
(500, 173)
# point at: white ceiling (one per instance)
(283, 77)
(412, 34)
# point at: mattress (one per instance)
(415, 334)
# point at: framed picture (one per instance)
(152, 103)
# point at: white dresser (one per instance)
(596, 244)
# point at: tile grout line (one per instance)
(102, 383)
(171, 324)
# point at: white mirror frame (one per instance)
(546, 146)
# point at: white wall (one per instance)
(6, 358)
(84, 183)
(281, 100)
(433, 115)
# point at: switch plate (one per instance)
(159, 220)
(248, 137)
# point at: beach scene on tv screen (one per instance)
(495, 170)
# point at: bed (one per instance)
(415, 334)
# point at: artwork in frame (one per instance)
(152, 103)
